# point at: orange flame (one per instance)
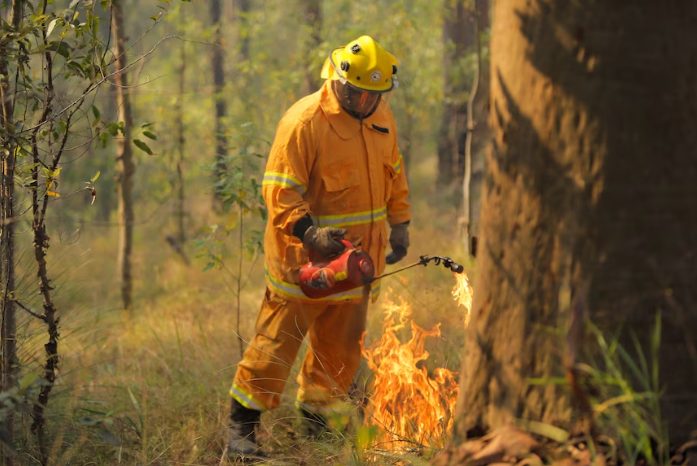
(407, 403)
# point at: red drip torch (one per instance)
(351, 269)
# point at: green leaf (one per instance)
(51, 26)
(96, 176)
(150, 134)
(60, 47)
(113, 128)
(142, 146)
(95, 112)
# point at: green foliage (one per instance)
(19, 398)
(241, 187)
(626, 399)
(240, 192)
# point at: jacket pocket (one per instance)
(342, 193)
(338, 177)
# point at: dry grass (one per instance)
(150, 386)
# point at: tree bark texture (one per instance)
(7, 229)
(590, 197)
(125, 166)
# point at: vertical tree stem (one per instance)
(239, 278)
(125, 167)
(217, 63)
(8, 329)
(467, 179)
(181, 140)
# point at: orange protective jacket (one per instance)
(344, 172)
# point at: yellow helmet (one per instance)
(364, 64)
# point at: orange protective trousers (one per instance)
(334, 330)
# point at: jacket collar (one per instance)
(341, 122)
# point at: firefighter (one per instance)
(334, 171)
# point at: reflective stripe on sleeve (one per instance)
(352, 219)
(283, 180)
(397, 166)
(244, 398)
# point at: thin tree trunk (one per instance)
(466, 218)
(240, 263)
(41, 244)
(125, 167)
(590, 199)
(245, 7)
(313, 21)
(7, 229)
(217, 63)
(181, 141)
(457, 38)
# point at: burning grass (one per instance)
(412, 406)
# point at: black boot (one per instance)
(242, 440)
(314, 425)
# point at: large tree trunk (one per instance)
(8, 329)
(590, 198)
(125, 167)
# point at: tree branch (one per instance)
(29, 311)
(94, 85)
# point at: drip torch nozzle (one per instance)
(452, 265)
(446, 261)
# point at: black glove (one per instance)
(324, 242)
(399, 241)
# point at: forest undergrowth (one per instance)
(149, 386)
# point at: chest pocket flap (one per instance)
(340, 176)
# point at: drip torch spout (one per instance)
(446, 261)
(424, 260)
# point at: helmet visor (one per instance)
(357, 102)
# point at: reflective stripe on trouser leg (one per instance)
(265, 366)
(245, 398)
(334, 354)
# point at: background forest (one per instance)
(134, 137)
(140, 374)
